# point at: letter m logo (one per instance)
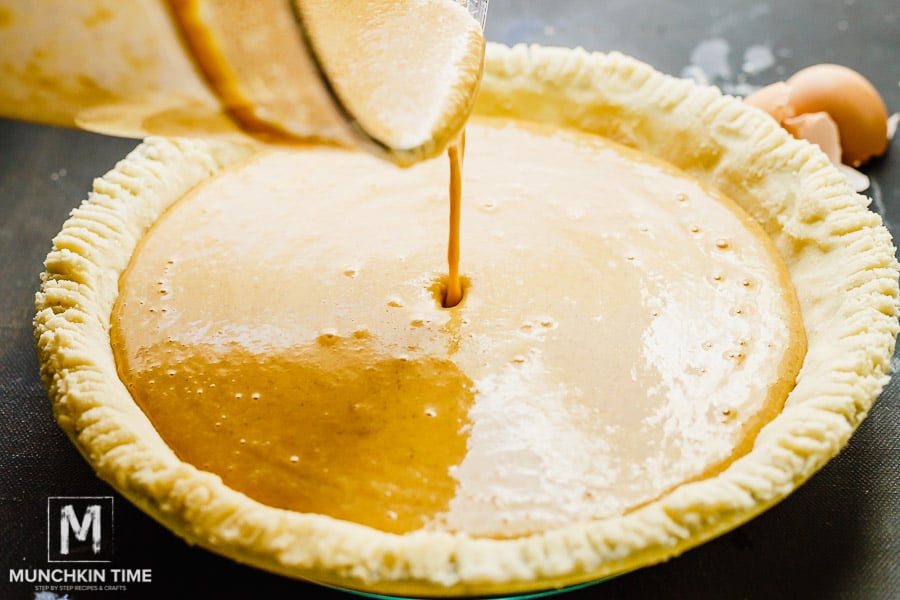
(79, 529)
(91, 524)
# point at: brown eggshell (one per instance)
(775, 99)
(818, 128)
(851, 101)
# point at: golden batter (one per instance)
(623, 329)
(454, 291)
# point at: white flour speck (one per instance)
(757, 59)
(711, 57)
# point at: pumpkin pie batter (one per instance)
(623, 329)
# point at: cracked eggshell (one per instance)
(849, 99)
(775, 99)
(818, 128)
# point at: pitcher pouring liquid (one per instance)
(397, 77)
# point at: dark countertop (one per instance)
(838, 536)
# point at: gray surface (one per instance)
(838, 536)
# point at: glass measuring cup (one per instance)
(478, 9)
(277, 70)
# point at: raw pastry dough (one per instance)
(839, 255)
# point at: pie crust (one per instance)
(839, 255)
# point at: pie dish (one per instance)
(838, 254)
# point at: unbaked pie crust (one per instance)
(839, 255)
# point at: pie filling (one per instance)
(623, 329)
